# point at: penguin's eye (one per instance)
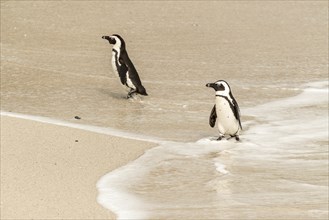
(221, 87)
(112, 40)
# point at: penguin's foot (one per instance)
(134, 97)
(235, 136)
(220, 138)
(131, 94)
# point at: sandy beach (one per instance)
(54, 64)
(50, 171)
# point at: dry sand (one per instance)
(50, 171)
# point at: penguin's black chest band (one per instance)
(227, 99)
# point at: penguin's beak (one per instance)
(110, 39)
(212, 85)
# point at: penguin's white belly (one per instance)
(114, 66)
(226, 121)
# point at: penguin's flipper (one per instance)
(213, 117)
(121, 68)
(236, 111)
(122, 71)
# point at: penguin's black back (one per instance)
(133, 74)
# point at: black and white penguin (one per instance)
(226, 109)
(123, 66)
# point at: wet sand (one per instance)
(55, 64)
(50, 171)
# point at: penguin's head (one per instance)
(116, 40)
(221, 87)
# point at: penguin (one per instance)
(123, 66)
(226, 109)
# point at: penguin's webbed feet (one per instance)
(132, 93)
(232, 136)
(220, 138)
(236, 137)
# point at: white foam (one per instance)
(271, 140)
(313, 94)
(221, 168)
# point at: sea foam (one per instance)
(228, 179)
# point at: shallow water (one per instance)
(55, 64)
(277, 171)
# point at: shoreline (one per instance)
(55, 168)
